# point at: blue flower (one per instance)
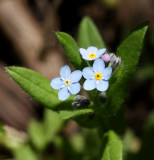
(91, 53)
(97, 76)
(67, 82)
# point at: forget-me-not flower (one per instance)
(67, 82)
(91, 53)
(97, 76)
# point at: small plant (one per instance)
(106, 80)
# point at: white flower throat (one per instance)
(67, 82)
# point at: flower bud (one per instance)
(103, 96)
(106, 57)
(114, 60)
(80, 102)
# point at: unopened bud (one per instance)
(80, 102)
(106, 57)
(103, 96)
(116, 62)
(112, 56)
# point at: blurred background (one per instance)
(27, 38)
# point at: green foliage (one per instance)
(129, 51)
(2, 132)
(43, 133)
(25, 153)
(88, 35)
(70, 114)
(37, 86)
(71, 49)
(108, 117)
(112, 146)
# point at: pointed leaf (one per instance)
(36, 85)
(112, 147)
(37, 135)
(88, 35)
(71, 49)
(25, 153)
(70, 114)
(52, 124)
(129, 51)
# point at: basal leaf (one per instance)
(37, 135)
(45, 130)
(52, 124)
(70, 114)
(88, 34)
(112, 146)
(37, 86)
(25, 153)
(129, 51)
(71, 49)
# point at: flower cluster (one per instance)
(96, 76)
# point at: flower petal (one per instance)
(107, 73)
(89, 84)
(86, 57)
(102, 85)
(63, 94)
(101, 52)
(92, 49)
(56, 83)
(65, 71)
(75, 76)
(98, 65)
(74, 88)
(88, 73)
(83, 51)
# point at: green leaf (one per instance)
(112, 146)
(88, 35)
(129, 51)
(25, 153)
(2, 132)
(37, 86)
(71, 49)
(37, 135)
(41, 134)
(52, 124)
(70, 114)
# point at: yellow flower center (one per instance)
(92, 55)
(98, 76)
(67, 82)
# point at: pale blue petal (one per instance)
(86, 57)
(74, 88)
(65, 71)
(92, 49)
(89, 84)
(56, 83)
(88, 73)
(101, 52)
(102, 85)
(63, 94)
(75, 76)
(83, 51)
(98, 65)
(107, 73)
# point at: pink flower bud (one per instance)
(106, 57)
